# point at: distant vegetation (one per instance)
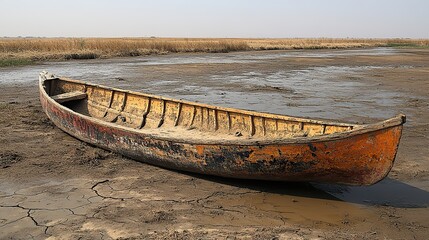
(18, 51)
(9, 62)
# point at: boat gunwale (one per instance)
(358, 129)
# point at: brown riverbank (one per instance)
(52, 185)
(21, 51)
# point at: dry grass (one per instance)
(36, 49)
(88, 48)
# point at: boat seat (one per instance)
(69, 96)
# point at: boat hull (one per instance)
(361, 159)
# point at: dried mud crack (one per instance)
(53, 185)
(105, 197)
(29, 212)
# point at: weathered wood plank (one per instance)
(69, 96)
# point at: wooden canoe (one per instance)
(221, 141)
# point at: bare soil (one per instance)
(55, 186)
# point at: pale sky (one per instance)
(216, 18)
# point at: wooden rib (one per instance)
(229, 120)
(179, 109)
(215, 119)
(202, 117)
(110, 103)
(208, 117)
(161, 121)
(301, 126)
(277, 124)
(323, 128)
(145, 113)
(193, 115)
(263, 126)
(252, 125)
(124, 102)
(91, 90)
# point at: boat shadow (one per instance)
(388, 192)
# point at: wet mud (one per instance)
(54, 186)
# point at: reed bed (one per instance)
(22, 50)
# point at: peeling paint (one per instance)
(348, 160)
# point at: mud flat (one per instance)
(54, 186)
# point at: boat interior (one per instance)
(181, 119)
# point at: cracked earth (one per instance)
(53, 186)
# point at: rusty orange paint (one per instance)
(200, 149)
(165, 132)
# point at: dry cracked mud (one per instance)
(53, 186)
